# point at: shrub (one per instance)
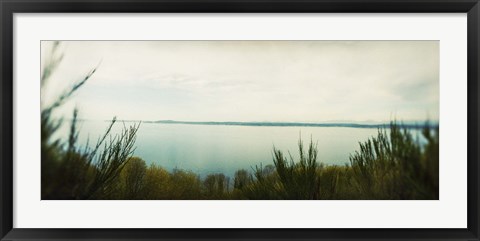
(397, 166)
(185, 185)
(133, 175)
(158, 183)
(298, 180)
(70, 172)
(242, 179)
(216, 186)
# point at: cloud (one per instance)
(255, 80)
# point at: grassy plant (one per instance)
(397, 166)
(70, 172)
(391, 165)
(298, 180)
(264, 185)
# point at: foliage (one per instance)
(396, 166)
(392, 165)
(70, 172)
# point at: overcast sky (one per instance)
(291, 81)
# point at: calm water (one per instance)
(207, 149)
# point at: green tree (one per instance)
(134, 177)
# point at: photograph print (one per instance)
(239, 120)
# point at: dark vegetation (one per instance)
(393, 165)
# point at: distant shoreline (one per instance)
(409, 125)
(288, 124)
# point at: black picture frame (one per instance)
(9, 7)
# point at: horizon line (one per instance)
(407, 124)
